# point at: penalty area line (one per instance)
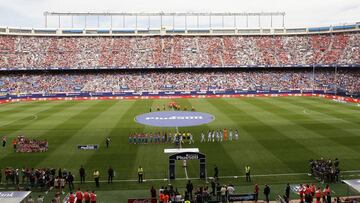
(33, 117)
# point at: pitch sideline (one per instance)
(221, 177)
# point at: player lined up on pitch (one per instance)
(161, 138)
(219, 135)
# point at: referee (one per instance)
(107, 141)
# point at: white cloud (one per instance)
(29, 13)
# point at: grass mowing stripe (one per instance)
(156, 166)
(40, 116)
(309, 138)
(343, 129)
(227, 165)
(192, 166)
(277, 142)
(65, 149)
(280, 125)
(21, 126)
(91, 131)
(332, 111)
(121, 153)
(10, 156)
(351, 107)
(52, 117)
(118, 143)
(192, 169)
(28, 114)
(54, 137)
(247, 150)
(271, 118)
(334, 133)
(18, 107)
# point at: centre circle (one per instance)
(174, 118)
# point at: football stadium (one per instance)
(179, 114)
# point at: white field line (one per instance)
(221, 177)
(34, 117)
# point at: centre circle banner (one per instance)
(174, 118)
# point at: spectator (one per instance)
(218, 192)
(111, 174)
(216, 172)
(30, 200)
(267, 193)
(287, 193)
(87, 196)
(256, 192)
(178, 51)
(70, 181)
(93, 197)
(153, 192)
(230, 190)
(71, 198)
(213, 187)
(82, 174)
(40, 199)
(79, 196)
(223, 193)
(204, 80)
(189, 189)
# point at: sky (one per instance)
(299, 13)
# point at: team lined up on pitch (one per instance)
(219, 135)
(161, 138)
(216, 135)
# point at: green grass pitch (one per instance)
(277, 137)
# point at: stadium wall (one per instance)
(342, 97)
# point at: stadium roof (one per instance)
(22, 13)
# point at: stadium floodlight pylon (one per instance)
(160, 16)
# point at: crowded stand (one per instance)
(184, 80)
(40, 52)
(68, 52)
